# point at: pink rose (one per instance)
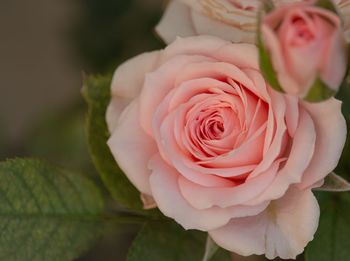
(305, 43)
(196, 127)
(232, 20)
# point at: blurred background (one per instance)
(45, 47)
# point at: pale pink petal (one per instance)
(207, 197)
(186, 90)
(330, 139)
(283, 229)
(273, 47)
(128, 78)
(334, 66)
(159, 83)
(132, 148)
(241, 55)
(178, 158)
(250, 79)
(127, 83)
(114, 110)
(249, 153)
(164, 184)
(275, 140)
(300, 155)
(260, 87)
(175, 22)
(198, 45)
(205, 25)
(292, 114)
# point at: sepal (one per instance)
(334, 183)
(319, 91)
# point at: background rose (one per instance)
(232, 20)
(344, 7)
(196, 127)
(305, 43)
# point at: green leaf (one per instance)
(319, 91)
(158, 241)
(46, 213)
(97, 95)
(265, 61)
(331, 241)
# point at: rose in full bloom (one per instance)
(196, 127)
(305, 43)
(233, 20)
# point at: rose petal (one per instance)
(114, 110)
(292, 114)
(126, 84)
(129, 77)
(164, 184)
(205, 25)
(335, 64)
(273, 47)
(300, 155)
(207, 197)
(159, 83)
(240, 55)
(132, 148)
(175, 22)
(277, 137)
(177, 157)
(283, 229)
(331, 131)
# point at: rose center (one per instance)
(213, 128)
(302, 33)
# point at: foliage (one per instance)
(46, 213)
(331, 240)
(97, 95)
(319, 91)
(168, 241)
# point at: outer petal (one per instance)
(128, 79)
(132, 148)
(283, 229)
(114, 110)
(127, 83)
(274, 48)
(205, 25)
(164, 184)
(175, 22)
(207, 197)
(241, 55)
(330, 139)
(335, 64)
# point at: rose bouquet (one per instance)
(225, 143)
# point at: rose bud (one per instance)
(306, 49)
